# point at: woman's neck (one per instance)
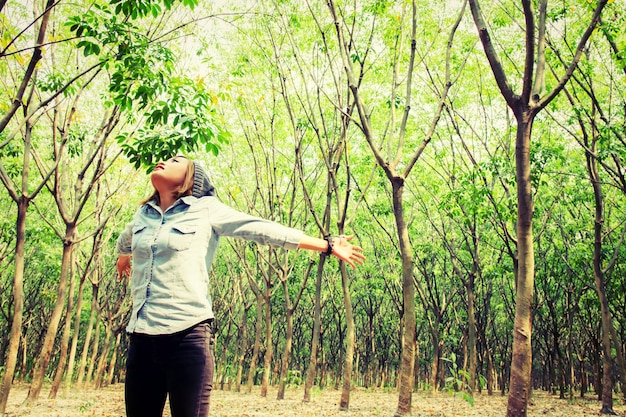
(166, 200)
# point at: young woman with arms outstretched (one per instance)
(172, 241)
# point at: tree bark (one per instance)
(269, 344)
(46, 350)
(113, 363)
(407, 359)
(74, 345)
(63, 350)
(80, 377)
(95, 352)
(257, 342)
(607, 376)
(103, 356)
(471, 338)
(242, 344)
(520, 381)
(18, 305)
(315, 339)
(284, 365)
(344, 403)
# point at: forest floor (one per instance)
(109, 402)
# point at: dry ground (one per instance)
(109, 402)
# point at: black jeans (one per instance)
(179, 365)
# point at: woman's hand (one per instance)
(346, 251)
(123, 266)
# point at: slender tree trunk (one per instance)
(284, 367)
(315, 340)
(22, 201)
(570, 343)
(80, 378)
(490, 372)
(434, 366)
(607, 376)
(46, 350)
(223, 377)
(111, 372)
(24, 364)
(344, 403)
(65, 339)
(471, 339)
(269, 346)
(323, 363)
(74, 344)
(607, 382)
(257, 343)
(18, 306)
(242, 345)
(520, 381)
(102, 358)
(407, 360)
(95, 352)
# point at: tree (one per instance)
(525, 106)
(354, 62)
(22, 199)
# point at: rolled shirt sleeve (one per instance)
(229, 222)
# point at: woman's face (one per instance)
(170, 174)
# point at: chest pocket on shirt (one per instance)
(138, 234)
(181, 237)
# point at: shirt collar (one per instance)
(186, 200)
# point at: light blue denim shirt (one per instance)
(173, 252)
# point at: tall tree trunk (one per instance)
(349, 355)
(74, 344)
(18, 306)
(65, 339)
(257, 342)
(607, 376)
(95, 351)
(48, 343)
(22, 201)
(607, 381)
(24, 364)
(223, 374)
(570, 344)
(434, 366)
(80, 377)
(407, 360)
(269, 345)
(490, 372)
(471, 338)
(520, 382)
(104, 356)
(242, 344)
(284, 366)
(315, 342)
(111, 372)
(290, 307)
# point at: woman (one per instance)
(172, 241)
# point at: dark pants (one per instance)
(179, 365)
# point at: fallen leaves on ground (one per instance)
(109, 402)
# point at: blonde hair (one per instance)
(185, 189)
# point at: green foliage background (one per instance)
(252, 89)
